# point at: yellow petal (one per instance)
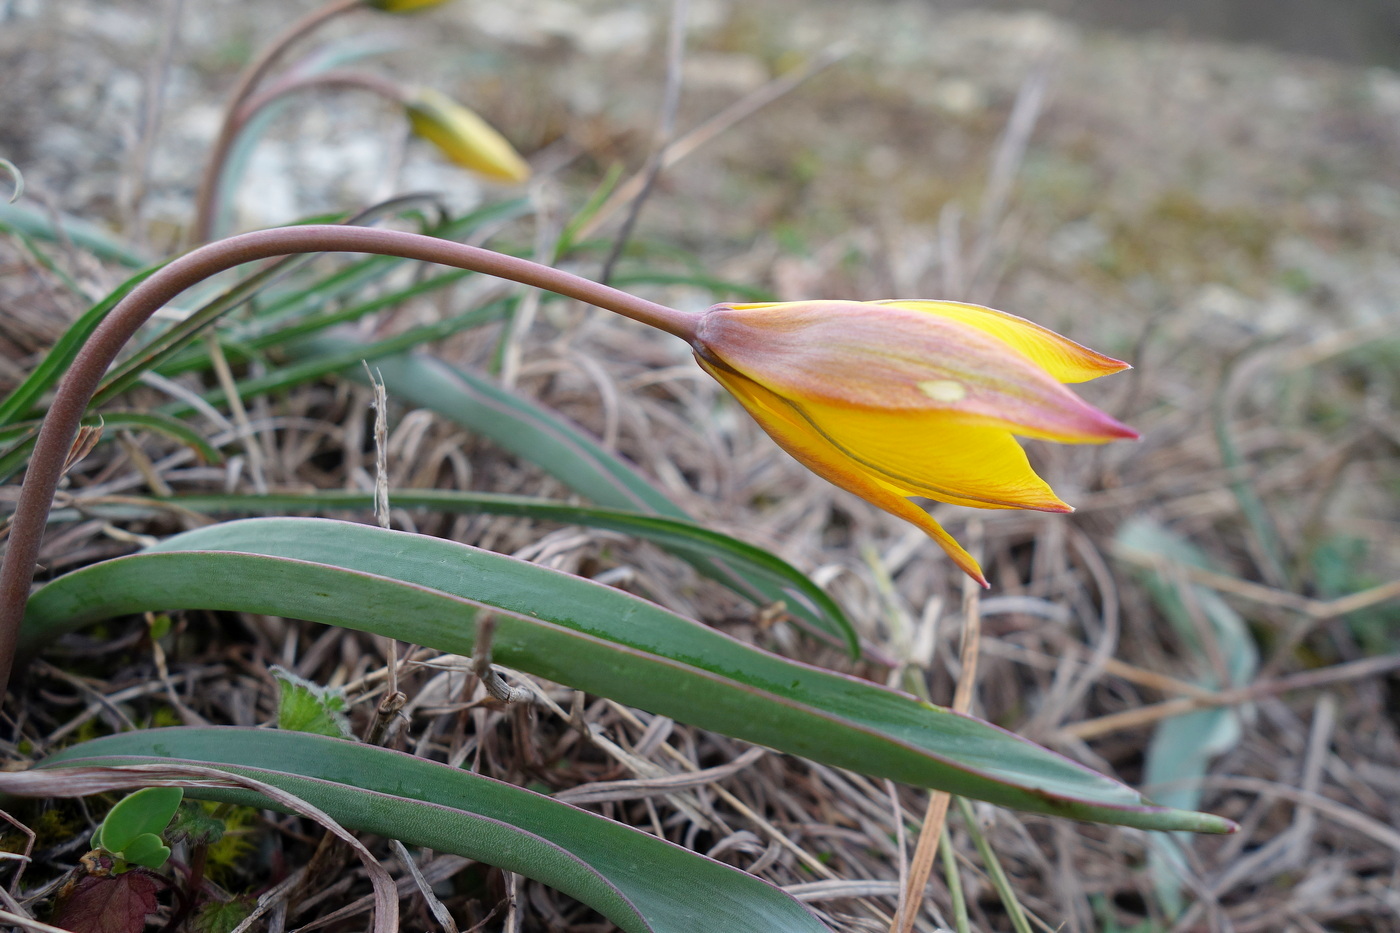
(796, 435)
(464, 137)
(931, 454)
(1061, 357)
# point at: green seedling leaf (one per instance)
(146, 850)
(641, 883)
(1256, 514)
(109, 904)
(703, 549)
(432, 592)
(303, 706)
(160, 626)
(146, 812)
(1340, 567)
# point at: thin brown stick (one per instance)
(133, 186)
(937, 812)
(78, 384)
(1316, 609)
(1145, 715)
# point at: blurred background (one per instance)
(1208, 189)
(1363, 32)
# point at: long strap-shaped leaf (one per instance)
(431, 592)
(705, 550)
(565, 452)
(641, 883)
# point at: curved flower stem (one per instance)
(206, 203)
(362, 80)
(75, 391)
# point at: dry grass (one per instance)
(1225, 218)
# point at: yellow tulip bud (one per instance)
(464, 137)
(890, 399)
(402, 6)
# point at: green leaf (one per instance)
(1179, 755)
(244, 342)
(350, 357)
(303, 706)
(431, 592)
(146, 812)
(707, 551)
(569, 455)
(45, 225)
(221, 916)
(641, 883)
(146, 850)
(23, 434)
(173, 339)
(515, 423)
(196, 825)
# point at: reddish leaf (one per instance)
(109, 904)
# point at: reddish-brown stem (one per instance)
(78, 384)
(360, 80)
(206, 203)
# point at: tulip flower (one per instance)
(402, 6)
(464, 137)
(891, 399)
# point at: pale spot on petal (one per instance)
(943, 390)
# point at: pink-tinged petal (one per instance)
(889, 358)
(1062, 358)
(796, 435)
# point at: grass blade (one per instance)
(45, 225)
(21, 436)
(21, 402)
(560, 449)
(432, 592)
(695, 544)
(347, 356)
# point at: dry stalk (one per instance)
(921, 866)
